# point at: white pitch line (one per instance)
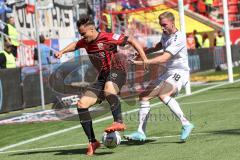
(213, 100)
(46, 148)
(84, 144)
(102, 119)
(171, 136)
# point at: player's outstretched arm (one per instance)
(71, 47)
(156, 48)
(156, 60)
(139, 48)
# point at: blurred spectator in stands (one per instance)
(121, 20)
(219, 53)
(13, 34)
(3, 10)
(201, 7)
(209, 4)
(106, 22)
(192, 5)
(206, 41)
(191, 44)
(90, 10)
(7, 60)
(134, 4)
(46, 54)
(125, 4)
(198, 39)
(143, 3)
(219, 40)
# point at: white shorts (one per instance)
(177, 78)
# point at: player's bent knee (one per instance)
(174, 93)
(167, 90)
(82, 105)
(109, 93)
(89, 99)
(162, 97)
(111, 88)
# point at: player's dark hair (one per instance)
(85, 20)
(168, 15)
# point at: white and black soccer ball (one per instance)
(111, 140)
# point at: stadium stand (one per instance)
(215, 12)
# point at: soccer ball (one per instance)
(111, 140)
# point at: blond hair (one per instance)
(168, 15)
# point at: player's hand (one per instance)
(145, 63)
(132, 56)
(58, 54)
(136, 62)
(137, 55)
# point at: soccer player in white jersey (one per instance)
(173, 43)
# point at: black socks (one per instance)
(115, 106)
(86, 122)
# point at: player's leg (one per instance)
(115, 81)
(111, 94)
(144, 109)
(165, 96)
(144, 105)
(84, 103)
(89, 98)
(172, 85)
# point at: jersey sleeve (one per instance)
(118, 39)
(80, 44)
(176, 45)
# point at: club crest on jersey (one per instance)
(100, 45)
(116, 36)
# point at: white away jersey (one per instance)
(175, 44)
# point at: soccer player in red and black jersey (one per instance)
(102, 48)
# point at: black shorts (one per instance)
(116, 76)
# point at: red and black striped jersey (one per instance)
(103, 51)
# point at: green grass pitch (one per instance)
(215, 114)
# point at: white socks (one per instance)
(144, 110)
(175, 108)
